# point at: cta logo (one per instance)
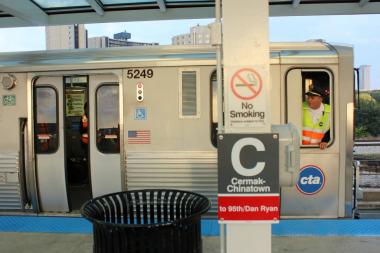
(311, 181)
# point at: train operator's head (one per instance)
(314, 98)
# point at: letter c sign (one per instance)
(235, 157)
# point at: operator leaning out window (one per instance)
(308, 92)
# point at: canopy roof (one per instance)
(16, 13)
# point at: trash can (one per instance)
(147, 221)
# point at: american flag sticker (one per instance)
(139, 137)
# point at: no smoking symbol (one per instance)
(246, 84)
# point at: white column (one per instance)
(246, 89)
(249, 238)
(246, 46)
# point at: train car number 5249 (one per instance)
(139, 73)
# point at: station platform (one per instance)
(72, 234)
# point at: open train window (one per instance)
(189, 93)
(309, 94)
(46, 120)
(107, 118)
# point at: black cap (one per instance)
(315, 91)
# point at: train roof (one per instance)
(153, 56)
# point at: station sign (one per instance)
(246, 95)
(248, 178)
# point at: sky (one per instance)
(361, 31)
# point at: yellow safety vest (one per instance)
(312, 133)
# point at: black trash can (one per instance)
(147, 221)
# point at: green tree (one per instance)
(367, 116)
(375, 95)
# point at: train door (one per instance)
(317, 191)
(49, 144)
(76, 139)
(106, 169)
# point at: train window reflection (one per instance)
(46, 130)
(107, 118)
(309, 93)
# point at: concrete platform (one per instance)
(82, 243)
(36, 234)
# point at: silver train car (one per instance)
(151, 123)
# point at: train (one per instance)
(152, 122)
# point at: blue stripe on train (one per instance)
(315, 227)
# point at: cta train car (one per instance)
(77, 124)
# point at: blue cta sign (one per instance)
(311, 180)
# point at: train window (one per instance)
(214, 109)
(46, 127)
(107, 118)
(309, 93)
(189, 106)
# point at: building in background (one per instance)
(199, 35)
(365, 77)
(122, 36)
(75, 36)
(182, 39)
(119, 40)
(66, 37)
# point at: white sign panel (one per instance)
(247, 106)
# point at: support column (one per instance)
(249, 238)
(246, 59)
(246, 46)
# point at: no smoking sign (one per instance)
(246, 84)
(247, 95)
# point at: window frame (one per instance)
(104, 84)
(330, 73)
(213, 142)
(198, 93)
(37, 152)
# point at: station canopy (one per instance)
(17, 13)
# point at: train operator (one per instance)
(316, 119)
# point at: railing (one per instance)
(366, 191)
(366, 143)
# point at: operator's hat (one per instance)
(315, 91)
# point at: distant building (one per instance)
(119, 40)
(66, 37)
(364, 77)
(122, 36)
(182, 39)
(199, 35)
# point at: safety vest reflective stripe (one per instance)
(310, 141)
(313, 135)
(313, 130)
